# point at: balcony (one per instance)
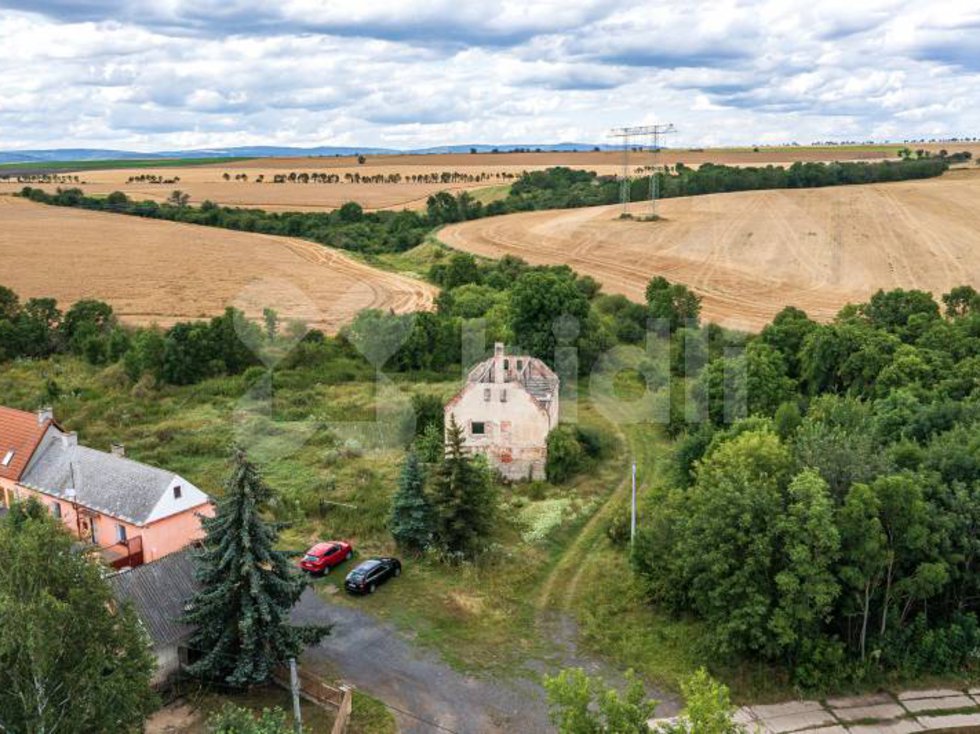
(124, 554)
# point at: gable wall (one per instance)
(517, 430)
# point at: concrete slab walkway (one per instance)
(879, 713)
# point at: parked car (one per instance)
(323, 556)
(371, 573)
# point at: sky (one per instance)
(176, 74)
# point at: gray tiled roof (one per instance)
(110, 484)
(159, 591)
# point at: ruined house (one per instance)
(507, 408)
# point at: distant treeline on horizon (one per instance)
(351, 228)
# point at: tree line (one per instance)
(347, 228)
(826, 516)
(443, 177)
(351, 228)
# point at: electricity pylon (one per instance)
(626, 133)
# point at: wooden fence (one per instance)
(316, 690)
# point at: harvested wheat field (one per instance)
(250, 183)
(163, 272)
(750, 254)
(202, 184)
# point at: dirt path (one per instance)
(556, 598)
(561, 586)
(427, 695)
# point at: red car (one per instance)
(323, 556)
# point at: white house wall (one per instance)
(517, 429)
(190, 496)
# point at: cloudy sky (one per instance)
(173, 74)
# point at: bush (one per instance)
(565, 455)
(237, 720)
(618, 528)
(595, 443)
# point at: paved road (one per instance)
(425, 694)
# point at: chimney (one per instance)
(498, 362)
(117, 449)
(69, 439)
(45, 414)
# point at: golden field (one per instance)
(207, 182)
(750, 254)
(163, 272)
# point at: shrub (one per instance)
(237, 720)
(565, 455)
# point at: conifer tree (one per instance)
(411, 513)
(247, 589)
(463, 497)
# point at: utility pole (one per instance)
(633, 510)
(294, 689)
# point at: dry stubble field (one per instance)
(163, 272)
(750, 254)
(207, 182)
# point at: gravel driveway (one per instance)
(424, 693)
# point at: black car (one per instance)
(371, 573)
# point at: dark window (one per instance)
(506, 364)
(121, 533)
(520, 365)
(478, 429)
(177, 492)
(486, 394)
(503, 396)
(56, 509)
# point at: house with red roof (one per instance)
(133, 512)
(20, 434)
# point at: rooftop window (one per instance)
(7, 458)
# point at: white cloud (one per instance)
(166, 75)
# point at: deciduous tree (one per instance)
(72, 660)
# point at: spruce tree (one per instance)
(411, 513)
(247, 589)
(464, 498)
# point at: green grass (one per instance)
(486, 616)
(41, 167)
(479, 615)
(489, 194)
(415, 262)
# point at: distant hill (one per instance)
(269, 151)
